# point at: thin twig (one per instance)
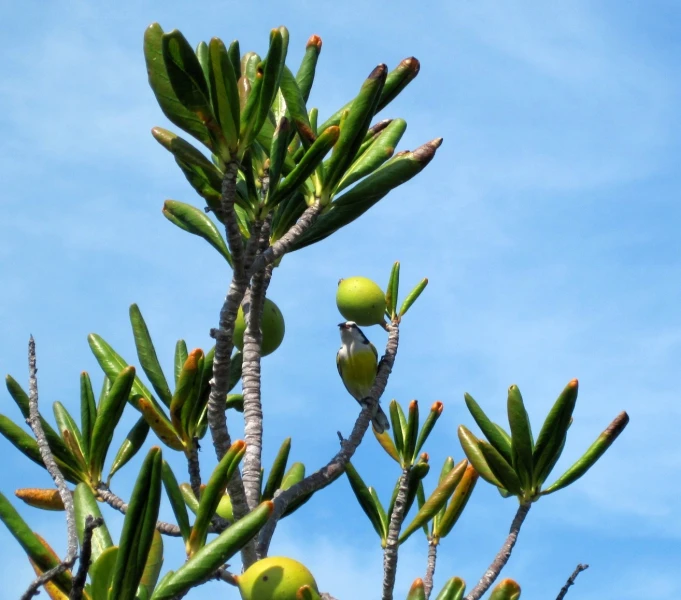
(392, 542)
(336, 466)
(253, 305)
(91, 523)
(571, 581)
(503, 555)
(52, 468)
(284, 244)
(194, 469)
(430, 569)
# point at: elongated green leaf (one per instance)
(417, 591)
(130, 446)
(366, 501)
(435, 411)
(215, 489)
(138, 528)
(161, 426)
(306, 71)
(390, 293)
(382, 148)
(88, 411)
(354, 127)
(152, 567)
(277, 155)
(147, 355)
(249, 96)
(381, 512)
(185, 391)
(436, 500)
(189, 498)
(163, 90)
(235, 57)
(411, 432)
(204, 60)
(460, 497)
(307, 165)
(506, 589)
(108, 415)
(296, 109)
(387, 443)
(31, 543)
(214, 554)
(399, 427)
(447, 466)
(522, 443)
(85, 504)
(177, 502)
(416, 476)
(420, 501)
(489, 429)
(295, 474)
(471, 447)
(453, 590)
(594, 452)
(101, 573)
(503, 472)
(223, 85)
(180, 357)
(355, 202)
(551, 438)
(413, 296)
(274, 63)
(277, 471)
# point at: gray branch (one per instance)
(392, 543)
(253, 305)
(571, 581)
(91, 523)
(194, 469)
(336, 466)
(430, 569)
(284, 244)
(52, 468)
(503, 555)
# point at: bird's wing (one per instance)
(338, 363)
(373, 349)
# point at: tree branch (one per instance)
(503, 555)
(52, 468)
(284, 244)
(91, 523)
(194, 469)
(253, 305)
(571, 581)
(430, 569)
(336, 466)
(392, 543)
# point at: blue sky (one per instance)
(547, 225)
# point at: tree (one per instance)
(277, 181)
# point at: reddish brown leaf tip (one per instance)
(425, 153)
(437, 407)
(574, 383)
(315, 41)
(412, 63)
(424, 457)
(379, 72)
(418, 583)
(413, 405)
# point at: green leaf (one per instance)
(489, 429)
(522, 443)
(453, 590)
(411, 432)
(296, 109)
(214, 554)
(417, 591)
(176, 498)
(31, 544)
(399, 424)
(138, 528)
(552, 436)
(436, 500)
(147, 355)
(366, 501)
(276, 474)
(65, 422)
(503, 472)
(88, 411)
(379, 151)
(471, 447)
(108, 414)
(387, 443)
(235, 401)
(354, 128)
(163, 90)
(185, 392)
(210, 498)
(506, 589)
(152, 568)
(277, 155)
(435, 411)
(101, 573)
(589, 458)
(189, 498)
(161, 426)
(272, 71)
(391, 290)
(416, 476)
(85, 503)
(235, 57)
(249, 96)
(130, 446)
(413, 296)
(224, 91)
(180, 357)
(447, 466)
(460, 497)
(306, 71)
(355, 202)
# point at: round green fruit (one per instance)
(361, 300)
(274, 578)
(272, 327)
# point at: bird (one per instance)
(357, 362)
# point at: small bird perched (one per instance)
(357, 362)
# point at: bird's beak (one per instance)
(342, 325)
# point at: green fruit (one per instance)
(274, 578)
(272, 327)
(224, 509)
(360, 300)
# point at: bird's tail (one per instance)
(380, 421)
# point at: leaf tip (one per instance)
(314, 41)
(437, 407)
